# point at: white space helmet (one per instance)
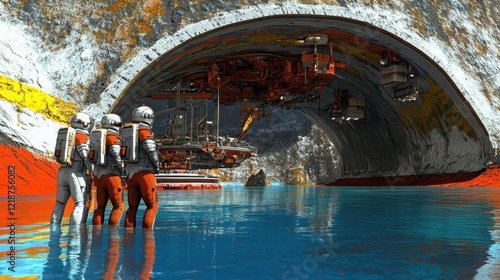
(143, 114)
(81, 120)
(112, 121)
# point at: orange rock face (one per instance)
(489, 178)
(24, 175)
(30, 174)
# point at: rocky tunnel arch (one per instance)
(438, 133)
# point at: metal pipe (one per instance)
(218, 105)
(201, 120)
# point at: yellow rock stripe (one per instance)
(25, 96)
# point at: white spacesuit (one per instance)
(73, 174)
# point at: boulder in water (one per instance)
(257, 180)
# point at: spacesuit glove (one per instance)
(88, 180)
(90, 191)
(156, 162)
(89, 165)
(121, 169)
(123, 179)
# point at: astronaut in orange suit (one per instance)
(141, 179)
(72, 178)
(107, 177)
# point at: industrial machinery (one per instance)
(347, 108)
(397, 77)
(192, 142)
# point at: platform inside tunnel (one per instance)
(433, 131)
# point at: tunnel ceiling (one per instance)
(353, 43)
(357, 44)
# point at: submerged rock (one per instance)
(257, 180)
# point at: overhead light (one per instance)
(319, 39)
(388, 57)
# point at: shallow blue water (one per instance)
(284, 233)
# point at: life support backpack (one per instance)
(97, 153)
(130, 143)
(65, 145)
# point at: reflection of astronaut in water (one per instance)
(72, 262)
(112, 254)
(131, 253)
(121, 255)
(148, 259)
(106, 252)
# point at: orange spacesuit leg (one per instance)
(134, 197)
(115, 192)
(102, 200)
(150, 196)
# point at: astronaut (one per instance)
(141, 179)
(73, 175)
(108, 173)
